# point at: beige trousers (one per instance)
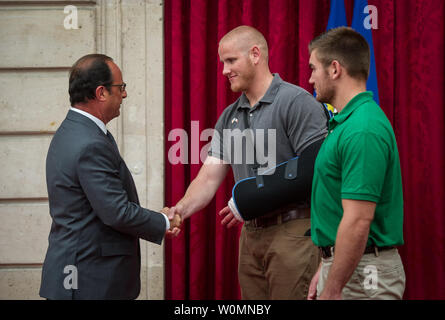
(277, 262)
(379, 277)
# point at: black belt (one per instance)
(279, 216)
(326, 252)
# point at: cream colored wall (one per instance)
(36, 51)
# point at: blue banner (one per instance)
(337, 15)
(358, 24)
(337, 18)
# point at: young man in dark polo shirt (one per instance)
(276, 259)
(357, 201)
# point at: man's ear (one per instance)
(255, 54)
(101, 93)
(335, 69)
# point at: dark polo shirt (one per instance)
(284, 122)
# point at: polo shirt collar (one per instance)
(351, 106)
(268, 97)
(270, 94)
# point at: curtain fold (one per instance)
(409, 51)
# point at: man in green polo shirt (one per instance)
(357, 201)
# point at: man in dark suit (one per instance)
(94, 248)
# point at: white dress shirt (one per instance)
(97, 121)
(102, 127)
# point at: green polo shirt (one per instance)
(358, 160)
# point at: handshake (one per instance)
(175, 222)
(229, 215)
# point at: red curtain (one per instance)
(409, 51)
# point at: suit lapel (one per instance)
(113, 142)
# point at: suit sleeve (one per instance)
(98, 172)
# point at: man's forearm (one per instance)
(198, 196)
(202, 189)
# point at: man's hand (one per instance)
(229, 218)
(176, 210)
(312, 294)
(175, 222)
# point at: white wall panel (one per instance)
(22, 170)
(20, 283)
(33, 100)
(24, 231)
(36, 36)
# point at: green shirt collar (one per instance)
(350, 107)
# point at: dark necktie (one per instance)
(113, 142)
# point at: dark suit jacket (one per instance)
(97, 219)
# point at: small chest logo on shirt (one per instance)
(234, 120)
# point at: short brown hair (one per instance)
(346, 46)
